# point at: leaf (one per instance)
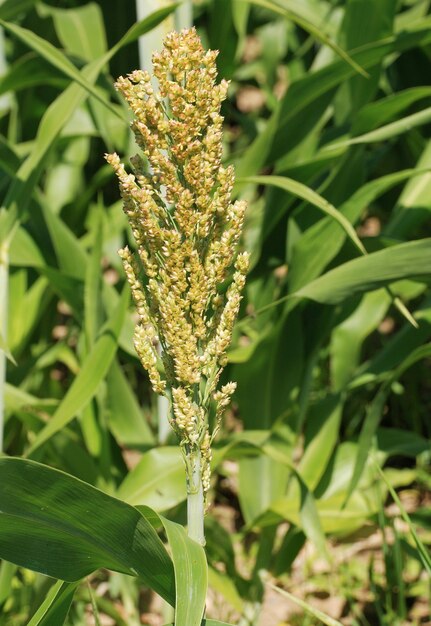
(125, 417)
(309, 195)
(55, 607)
(394, 441)
(56, 524)
(24, 252)
(325, 419)
(191, 575)
(325, 619)
(406, 260)
(262, 480)
(386, 132)
(302, 499)
(348, 337)
(145, 25)
(309, 256)
(12, 8)
(158, 480)
(17, 399)
(413, 206)
(57, 59)
(55, 118)
(71, 257)
(93, 282)
(80, 30)
(422, 550)
(30, 71)
(365, 442)
(93, 371)
(309, 27)
(364, 22)
(4, 348)
(309, 95)
(377, 113)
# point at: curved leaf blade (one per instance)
(55, 607)
(406, 260)
(191, 575)
(56, 524)
(93, 371)
(309, 195)
(54, 56)
(312, 30)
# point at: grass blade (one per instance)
(423, 552)
(55, 607)
(51, 54)
(325, 619)
(313, 30)
(93, 371)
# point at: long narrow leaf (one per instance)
(316, 32)
(309, 195)
(93, 371)
(56, 524)
(55, 607)
(325, 619)
(191, 575)
(54, 56)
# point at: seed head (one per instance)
(187, 230)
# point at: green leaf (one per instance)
(12, 8)
(145, 25)
(30, 71)
(386, 132)
(191, 575)
(4, 348)
(310, 610)
(310, 257)
(71, 257)
(158, 480)
(422, 550)
(55, 607)
(365, 442)
(57, 59)
(93, 282)
(56, 524)
(378, 113)
(406, 260)
(309, 195)
(413, 206)
(93, 371)
(24, 252)
(80, 30)
(55, 118)
(309, 95)
(325, 419)
(17, 399)
(315, 31)
(125, 417)
(302, 499)
(348, 337)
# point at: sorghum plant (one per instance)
(187, 229)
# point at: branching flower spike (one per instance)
(187, 229)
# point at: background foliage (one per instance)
(332, 350)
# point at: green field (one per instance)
(318, 507)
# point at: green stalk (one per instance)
(195, 497)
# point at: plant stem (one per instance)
(195, 497)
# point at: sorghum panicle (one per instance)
(187, 229)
